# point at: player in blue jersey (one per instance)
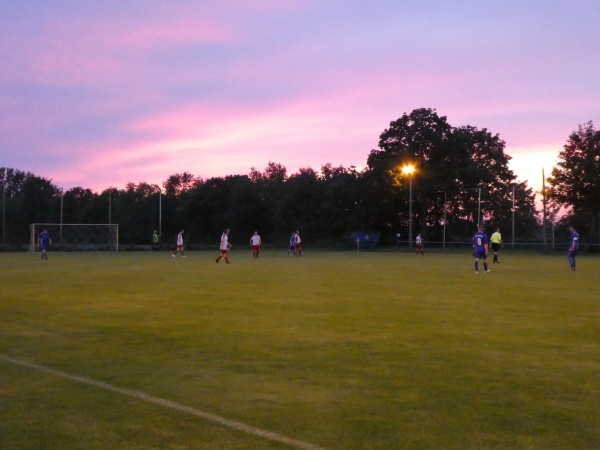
(44, 241)
(480, 249)
(573, 247)
(292, 247)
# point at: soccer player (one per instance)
(496, 241)
(255, 244)
(155, 239)
(419, 245)
(179, 245)
(44, 241)
(224, 247)
(292, 247)
(573, 246)
(298, 244)
(480, 247)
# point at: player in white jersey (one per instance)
(298, 244)
(224, 247)
(179, 245)
(255, 243)
(419, 244)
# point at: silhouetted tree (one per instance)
(574, 180)
(454, 161)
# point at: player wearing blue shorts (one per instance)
(573, 247)
(480, 249)
(44, 241)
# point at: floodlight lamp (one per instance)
(408, 169)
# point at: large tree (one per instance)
(451, 163)
(26, 199)
(574, 180)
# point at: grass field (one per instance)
(330, 350)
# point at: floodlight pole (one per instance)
(445, 203)
(479, 208)
(544, 206)
(410, 214)
(109, 207)
(478, 205)
(409, 170)
(552, 231)
(62, 196)
(160, 212)
(513, 216)
(3, 212)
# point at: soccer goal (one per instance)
(73, 237)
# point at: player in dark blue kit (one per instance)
(573, 247)
(292, 247)
(480, 249)
(44, 241)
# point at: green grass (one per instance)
(338, 350)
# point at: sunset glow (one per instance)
(98, 95)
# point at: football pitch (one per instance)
(332, 350)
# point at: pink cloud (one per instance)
(88, 51)
(209, 142)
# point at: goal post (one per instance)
(73, 237)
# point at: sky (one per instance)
(99, 94)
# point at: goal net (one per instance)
(72, 237)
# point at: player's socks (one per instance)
(476, 266)
(485, 267)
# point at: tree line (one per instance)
(461, 177)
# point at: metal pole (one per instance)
(62, 196)
(3, 212)
(109, 207)
(445, 203)
(160, 212)
(513, 218)
(410, 213)
(479, 208)
(544, 206)
(478, 204)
